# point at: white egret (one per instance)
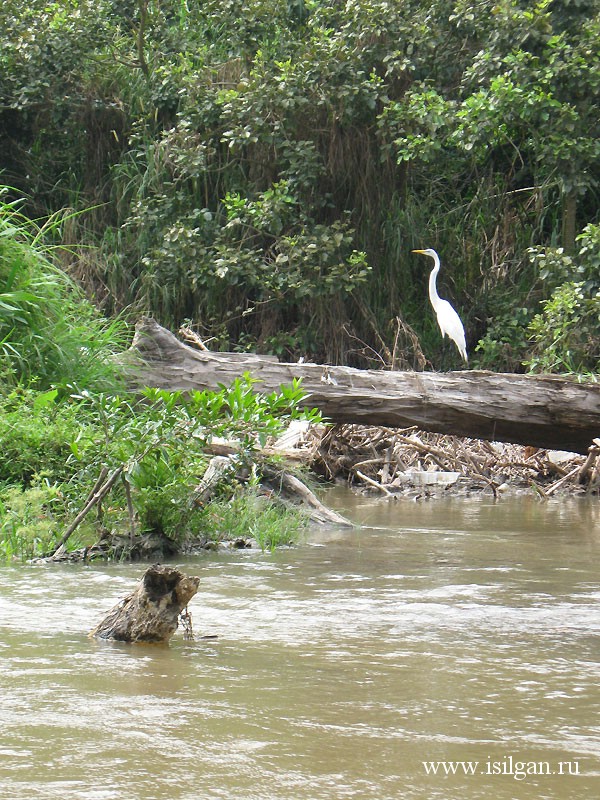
(448, 319)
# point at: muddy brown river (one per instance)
(440, 650)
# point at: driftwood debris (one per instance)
(541, 411)
(400, 462)
(150, 613)
(296, 495)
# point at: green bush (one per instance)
(29, 520)
(57, 446)
(565, 334)
(37, 436)
(161, 442)
(560, 331)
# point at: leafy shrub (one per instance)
(156, 443)
(505, 342)
(37, 436)
(29, 519)
(561, 332)
(555, 267)
(162, 441)
(565, 334)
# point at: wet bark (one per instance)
(150, 613)
(541, 411)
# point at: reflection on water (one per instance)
(450, 631)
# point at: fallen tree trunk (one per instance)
(150, 613)
(541, 411)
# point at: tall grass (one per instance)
(49, 333)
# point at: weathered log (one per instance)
(290, 490)
(150, 613)
(543, 411)
(294, 494)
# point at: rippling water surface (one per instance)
(449, 636)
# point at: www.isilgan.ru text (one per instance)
(509, 766)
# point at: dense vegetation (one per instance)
(264, 168)
(150, 454)
(70, 432)
(261, 170)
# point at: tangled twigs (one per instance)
(390, 460)
(411, 355)
(185, 618)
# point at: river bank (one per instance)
(395, 463)
(292, 471)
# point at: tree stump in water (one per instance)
(151, 612)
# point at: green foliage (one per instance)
(37, 436)
(416, 125)
(29, 520)
(256, 247)
(162, 440)
(56, 446)
(251, 516)
(505, 341)
(132, 429)
(263, 169)
(48, 332)
(565, 332)
(555, 267)
(563, 335)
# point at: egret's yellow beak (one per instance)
(418, 251)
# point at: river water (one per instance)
(452, 636)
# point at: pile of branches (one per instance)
(409, 461)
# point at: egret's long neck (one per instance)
(433, 295)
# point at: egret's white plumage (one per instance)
(448, 319)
